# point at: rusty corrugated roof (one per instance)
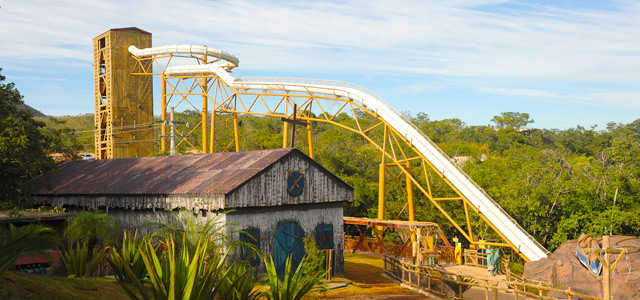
(216, 173)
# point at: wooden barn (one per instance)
(278, 196)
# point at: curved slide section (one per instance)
(507, 226)
(186, 49)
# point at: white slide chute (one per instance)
(507, 226)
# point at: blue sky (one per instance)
(566, 63)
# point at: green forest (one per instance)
(555, 183)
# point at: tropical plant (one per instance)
(294, 285)
(128, 265)
(177, 274)
(93, 228)
(240, 283)
(186, 224)
(15, 241)
(78, 262)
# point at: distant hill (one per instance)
(34, 112)
(81, 124)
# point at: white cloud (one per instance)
(589, 97)
(473, 41)
(518, 92)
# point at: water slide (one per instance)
(505, 224)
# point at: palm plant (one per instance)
(178, 274)
(294, 285)
(127, 264)
(15, 241)
(93, 228)
(188, 225)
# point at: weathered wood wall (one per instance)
(307, 215)
(270, 187)
(133, 202)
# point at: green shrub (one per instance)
(315, 258)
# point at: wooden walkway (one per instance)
(449, 281)
(500, 280)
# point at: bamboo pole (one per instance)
(606, 276)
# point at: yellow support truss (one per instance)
(412, 173)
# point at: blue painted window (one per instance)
(250, 236)
(324, 236)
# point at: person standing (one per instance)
(494, 261)
(489, 256)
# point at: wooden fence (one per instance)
(437, 281)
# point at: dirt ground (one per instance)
(363, 279)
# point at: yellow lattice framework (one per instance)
(400, 162)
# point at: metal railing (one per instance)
(449, 285)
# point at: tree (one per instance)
(23, 146)
(512, 119)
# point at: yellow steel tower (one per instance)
(123, 102)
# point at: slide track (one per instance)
(522, 241)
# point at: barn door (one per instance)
(289, 242)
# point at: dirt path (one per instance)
(363, 276)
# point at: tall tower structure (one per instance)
(123, 102)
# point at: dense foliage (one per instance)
(25, 144)
(555, 183)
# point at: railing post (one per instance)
(569, 294)
(606, 280)
(508, 270)
(539, 290)
(486, 288)
(495, 293)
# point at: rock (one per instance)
(563, 269)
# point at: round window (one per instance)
(295, 183)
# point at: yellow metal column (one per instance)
(205, 110)
(412, 214)
(466, 212)
(285, 135)
(163, 113)
(212, 146)
(310, 141)
(235, 131)
(381, 194)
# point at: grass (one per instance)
(363, 271)
(16, 285)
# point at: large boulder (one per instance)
(563, 269)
